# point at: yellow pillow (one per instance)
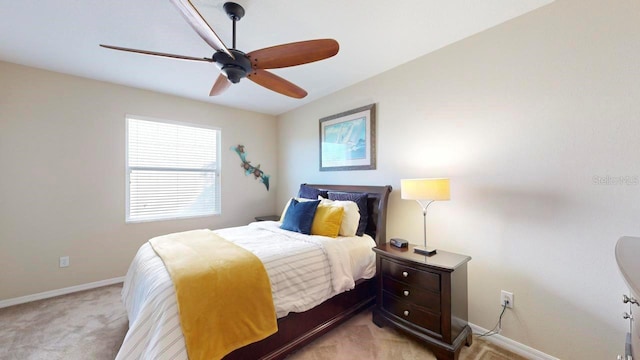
(327, 220)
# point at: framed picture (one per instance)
(348, 140)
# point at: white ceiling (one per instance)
(374, 36)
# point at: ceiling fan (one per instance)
(235, 64)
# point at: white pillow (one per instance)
(350, 217)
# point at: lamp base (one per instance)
(424, 250)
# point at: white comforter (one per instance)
(304, 271)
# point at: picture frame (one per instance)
(348, 140)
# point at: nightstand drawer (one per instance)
(411, 313)
(423, 298)
(411, 276)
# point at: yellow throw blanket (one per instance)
(224, 293)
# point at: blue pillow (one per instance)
(308, 192)
(361, 200)
(299, 216)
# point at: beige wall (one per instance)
(521, 118)
(62, 182)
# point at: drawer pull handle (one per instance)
(406, 313)
(406, 293)
(405, 274)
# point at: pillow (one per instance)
(284, 211)
(327, 220)
(299, 216)
(361, 200)
(309, 192)
(350, 217)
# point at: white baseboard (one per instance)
(512, 345)
(58, 292)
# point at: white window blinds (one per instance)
(172, 170)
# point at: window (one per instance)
(172, 170)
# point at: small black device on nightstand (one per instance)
(399, 243)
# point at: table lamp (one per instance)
(425, 192)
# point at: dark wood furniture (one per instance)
(268, 218)
(627, 250)
(424, 296)
(298, 329)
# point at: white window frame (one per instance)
(217, 171)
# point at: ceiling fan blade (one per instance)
(153, 53)
(221, 84)
(276, 83)
(200, 25)
(292, 54)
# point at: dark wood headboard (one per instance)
(377, 206)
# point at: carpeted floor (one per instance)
(92, 324)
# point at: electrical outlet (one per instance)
(508, 297)
(64, 261)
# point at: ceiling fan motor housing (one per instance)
(234, 69)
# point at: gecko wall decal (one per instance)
(250, 169)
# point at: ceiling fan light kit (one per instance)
(235, 64)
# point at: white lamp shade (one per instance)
(425, 189)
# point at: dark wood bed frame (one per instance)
(298, 329)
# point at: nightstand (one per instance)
(268, 218)
(424, 296)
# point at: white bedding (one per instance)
(304, 271)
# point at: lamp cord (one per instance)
(498, 324)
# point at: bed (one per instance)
(306, 322)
